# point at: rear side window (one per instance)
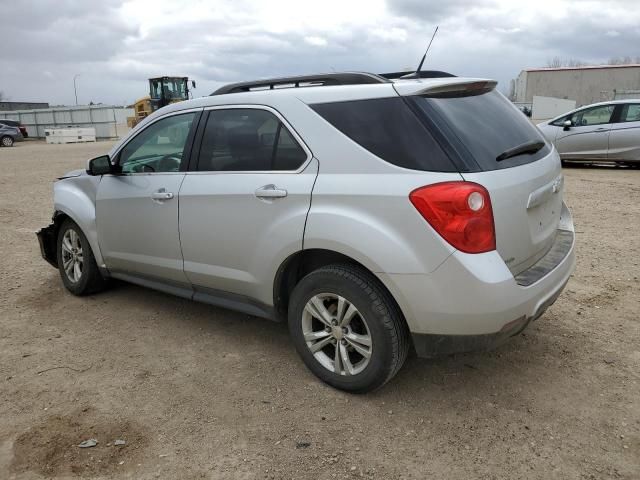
(630, 113)
(389, 129)
(244, 139)
(481, 128)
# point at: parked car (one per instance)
(608, 131)
(374, 215)
(9, 135)
(15, 123)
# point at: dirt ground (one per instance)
(201, 392)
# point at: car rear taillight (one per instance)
(460, 212)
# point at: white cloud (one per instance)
(316, 41)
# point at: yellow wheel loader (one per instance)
(162, 91)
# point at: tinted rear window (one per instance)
(480, 128)
(389, 129)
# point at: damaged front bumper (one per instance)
(47, 239)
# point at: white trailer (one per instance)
(70, 135)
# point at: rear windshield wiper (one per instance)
(528, 147)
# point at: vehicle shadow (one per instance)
(599, 166)
(515, 366)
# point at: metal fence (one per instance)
(109, 121)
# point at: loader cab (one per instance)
(166, 90)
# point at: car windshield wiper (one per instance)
(529, 147)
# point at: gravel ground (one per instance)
(201, 392)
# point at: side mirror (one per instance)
(193, 83)
(567, 124)
(100, 166)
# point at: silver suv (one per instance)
(374, 214)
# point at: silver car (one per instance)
(374, 214)
(9, 135)
(608, 131)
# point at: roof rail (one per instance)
(421, 74)
(345, 78)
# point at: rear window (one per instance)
(389, 129)
(480, 128)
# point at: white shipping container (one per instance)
(70, 135)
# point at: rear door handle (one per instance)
(270, 191)
(161, 195)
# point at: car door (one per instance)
(137, 210)
(588, 136)
(624, 139)
(243, 207)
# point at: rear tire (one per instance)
(6, 141)
(76, 263)
(361, 342)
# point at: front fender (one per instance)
(76, 198)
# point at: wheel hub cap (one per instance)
(337, 333)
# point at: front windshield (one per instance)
(172, 88)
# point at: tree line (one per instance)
(559, 62)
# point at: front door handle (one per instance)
(601, 129)
(270, 191)
(161, 194)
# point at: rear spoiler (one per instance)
(445, 88)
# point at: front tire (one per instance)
(76, 263)
(347, 328)
(6, 141)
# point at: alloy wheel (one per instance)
(336, 334)
(72, 256)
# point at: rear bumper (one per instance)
(47, 240)
(473, 302)
(430, 345)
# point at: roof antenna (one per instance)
(416, 74)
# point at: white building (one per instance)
(585, 85)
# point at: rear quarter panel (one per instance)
(369, 218)
(360, 204)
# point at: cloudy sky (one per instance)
(115, 45)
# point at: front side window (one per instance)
(246, 139)
(158, 148)
(630, 113)
(592, 116)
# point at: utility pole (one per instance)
(75, 89)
